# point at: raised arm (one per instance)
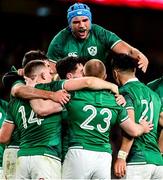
(125, 48)
(90, 82)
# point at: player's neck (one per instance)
(126, 77)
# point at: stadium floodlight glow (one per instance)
(43, 11)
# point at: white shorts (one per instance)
(85, 164)
(9, 162)
(144, 171)
(38, 167)
(1, 173)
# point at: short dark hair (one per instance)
(123, 62)
(68, 64)
(10, 78)
(32, 66)
(33, 55)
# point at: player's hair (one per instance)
(95, 67)
(10, 78)
(123, 62)
(33, 67)
(67, 65)
(33, 55)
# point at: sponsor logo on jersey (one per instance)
(74, 54)
(92, 50)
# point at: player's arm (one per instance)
(134, 129)
(160, 141)
(161, 119)
(120, 163)
(6, 132)
(89, 82)
(123, 47)
(45, 107)
(120, 99)
(27, 92)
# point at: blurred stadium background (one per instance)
(31, 24)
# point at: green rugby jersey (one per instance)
(157, 86)
(145, 102)
(15, 138)
(65, 136)
(3, 110)
(38, 135)
(52, 86)
(91, 115)
(96, 46)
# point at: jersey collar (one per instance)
(131, 80)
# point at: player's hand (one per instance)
(142, 62)
(21, 72)
(120, 100)
(114, 88)
(148, 126)
(120, 167)
(30, 82)
(60, 96)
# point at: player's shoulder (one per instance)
(63, 33)
(3, 103)
(97, 29)
(155, 83)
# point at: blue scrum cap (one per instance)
(78, 9)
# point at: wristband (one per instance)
(122, 155)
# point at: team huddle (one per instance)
(62, 112)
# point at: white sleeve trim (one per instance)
(9, 121)
(115, 43)
(124, 119)
(130, 107)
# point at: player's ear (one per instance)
(43, 75)
(105, 76)
(115, 73)
(69, 75)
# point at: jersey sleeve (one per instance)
(129, 102)
(9, 117)
(109, 38)
(122, 115)
(52, 86)
(4, 104)
(128, 97)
